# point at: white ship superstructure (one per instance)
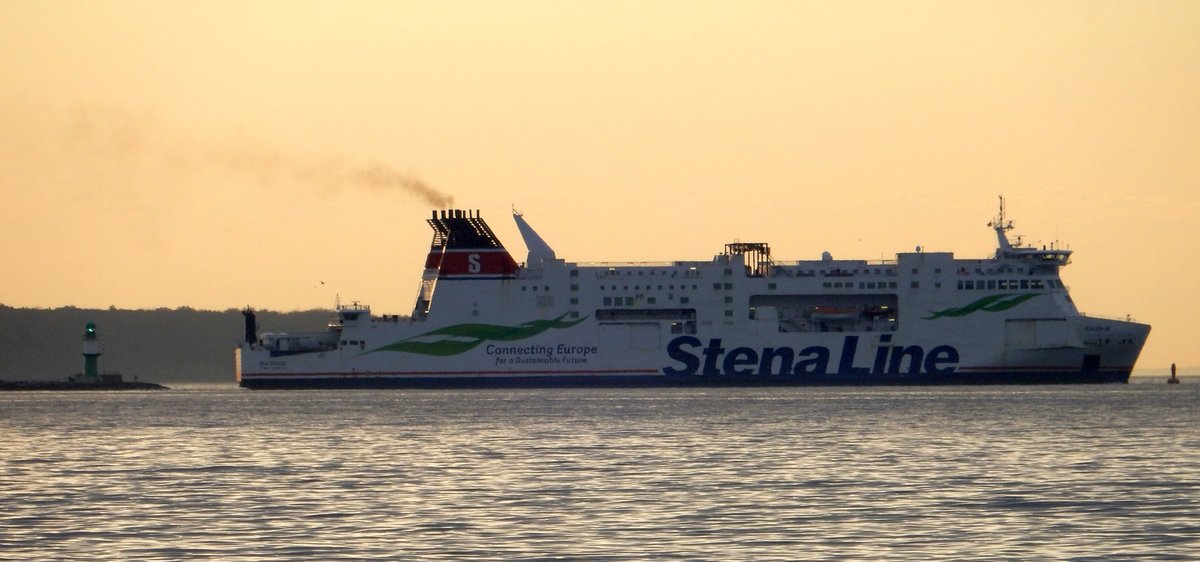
(742, 318)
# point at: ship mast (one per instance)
(1002, 226)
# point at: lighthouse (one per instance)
(91, 378)
(91, 353)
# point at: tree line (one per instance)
(161, 345)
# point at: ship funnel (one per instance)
(251, 325)
(539, 250)
(464, 247)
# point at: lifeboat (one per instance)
(835, 312)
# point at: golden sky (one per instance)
(218, 154)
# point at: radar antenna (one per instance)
(1000, 223)
(1002, 226)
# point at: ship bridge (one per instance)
(1048, 257)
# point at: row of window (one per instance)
(1010, 284)
(861, 285)
(639, 287)
(629, 301)
(967, 285)
(653, 272)
(888, 271)
(991, 270)
(575, 287)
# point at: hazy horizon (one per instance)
(280, 154)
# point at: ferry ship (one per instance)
(483, 320)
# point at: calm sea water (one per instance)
(1059, 472)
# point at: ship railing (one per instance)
(839, 263)
(1126, 318)
(792, 272)
(669, 269)
(631, 264)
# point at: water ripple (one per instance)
(713, 474)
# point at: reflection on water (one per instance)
(901, 473)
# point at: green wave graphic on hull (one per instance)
(990, 303)
(461, 338)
